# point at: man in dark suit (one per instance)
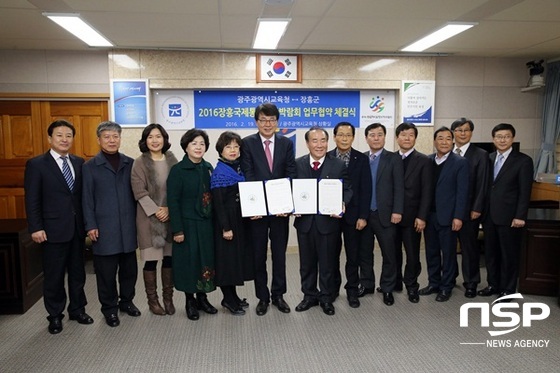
(265, 156)
(357, 210)
(386, 208)
(479, 165)
(508, 203)
(53, 192)
(318, 234)
(418, 175)
(447, 213)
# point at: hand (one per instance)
(361, 224)
(39, 236)
(163, 214)
(456, 225)
(93, 234)
(517, 223)
(475, 215)
(419, 225)
(227, 235)
(255, 217)
(179, 238)
(281, 215)
(396, 218)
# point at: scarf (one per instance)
(226, 174)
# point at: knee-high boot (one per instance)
(167, 282)
(150, 283)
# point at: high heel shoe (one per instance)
(203, 304)
(243, 303)
(237, 311)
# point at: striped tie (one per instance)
(67, 173)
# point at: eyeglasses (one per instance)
(268, 121)
(503, 137)
(462, 130)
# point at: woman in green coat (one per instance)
(190, 211)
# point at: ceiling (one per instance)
(507, 28)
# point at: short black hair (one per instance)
(315, 128)
(60, 123)
(267, 109)
(459, 122)
(406, 126)
(374, 126)
(503, 127)
(341, 124)
(227, 138)
(443, 129)
(192, 134)
(146, 132)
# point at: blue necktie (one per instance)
(67, 173)
(498, 165)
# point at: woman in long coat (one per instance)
(149, 177)
(234, 259)
(190, 210)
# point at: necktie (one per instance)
(458, 151)
(403, 156)
(67, 173)
(372, 157)
(316, 165)
(268, 153)
(498, 165)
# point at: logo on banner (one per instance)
(174, 110)
(377, 105)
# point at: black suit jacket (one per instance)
(389, 186)
(360, 179)
(331, 168)
(49, 203)
(253, 159)
(418, 181)
(510, 193)
(479, 166)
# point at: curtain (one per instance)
(546, 161)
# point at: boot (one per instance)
(203, 304)
(192, 311)
(151, 291)
(167, 283)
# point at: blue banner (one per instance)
(298, 109)
(130, 102)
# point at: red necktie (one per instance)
(268, 153)
(316, 165)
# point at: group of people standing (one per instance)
(186, 214)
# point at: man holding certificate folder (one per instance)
(318, 233)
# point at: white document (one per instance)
(330, 197)
(305, 196)
(279, 196)
(252, 199)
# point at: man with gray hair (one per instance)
(110, 222)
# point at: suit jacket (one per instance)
(452, 189)
(109, 205)
(332, 168)
(49, 203)
(418, 189)
(389, 186)
(358, 173)
(479, 165)
(253, 159)
(510, 193)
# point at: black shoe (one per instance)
(112, 320)
(413, 296)
(388, 299)
(363, 291)
(470, 293)
(243, 303)
(192, 310)
(428, 290)
(443, 296)
(306, 304)
(131, 310)
(55, 324)
(353, 301)
(262, 308)
(327, 307)
(82, 318)
(235, 310)
(281, 304)
(488, 291)
(202, 304)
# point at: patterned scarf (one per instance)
(226, 174)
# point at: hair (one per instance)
(459, 122)
(503, 127)
(341, 124)
(315, 128)
(60, 123)
(227, 138)
(146, 132)
(406, 126)
(374, 126)
(108, 126)
(190, 135)
(443, 129)
(267, 109)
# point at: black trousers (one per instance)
(107, 269)
(441, 254)
(470, 253)
(59, 258)
(502, 251)
(410, 239)
(352, 248)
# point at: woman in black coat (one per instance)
(233, 258)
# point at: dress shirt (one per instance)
(58, 158)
